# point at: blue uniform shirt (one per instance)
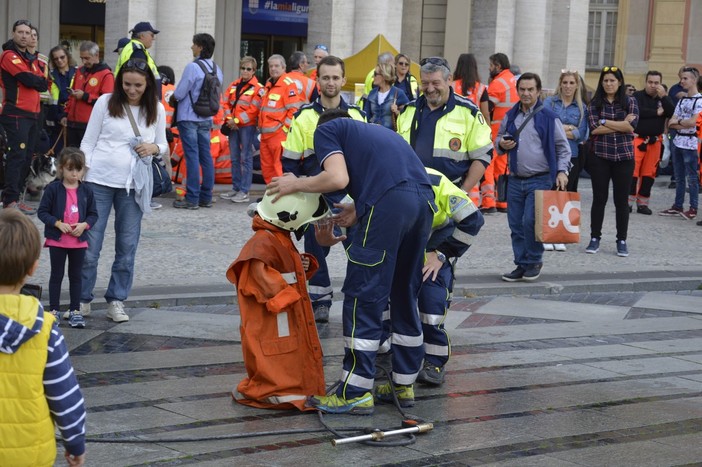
(377, 159)
(424, 144)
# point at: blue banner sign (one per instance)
(275, 17)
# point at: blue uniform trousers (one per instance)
(434, 301)
(385, 254)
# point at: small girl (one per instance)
(68, 210)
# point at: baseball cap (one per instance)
(121, 44)
(143, 27)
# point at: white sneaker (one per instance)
(548, 246)
(155, 205)
(115, 312)
(241, 197)
(84, 309)
(559, 247)
(228, 194)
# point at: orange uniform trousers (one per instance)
(271, 155)
(645, 167)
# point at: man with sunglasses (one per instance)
(241, 108)
(22, 81)
(320, 51)
(91, 81)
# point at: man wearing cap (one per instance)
(143, 35)
(91, 81)
(121, 44)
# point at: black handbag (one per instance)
(162, 181)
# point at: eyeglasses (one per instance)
(321, 47)
(439, 61)
(377, 74)
(569, 72)
(62, 57)
(402, 64)
(691, 70)
(136, 64)
(21, 22)
(613, 69)
(246, 68)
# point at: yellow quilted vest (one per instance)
(26, 427)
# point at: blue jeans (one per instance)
(241, 153)
(127, 231)
(521, 218)
(195, 137)
(686, 166)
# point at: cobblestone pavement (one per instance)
(567, 379)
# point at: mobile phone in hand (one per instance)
(508, 137)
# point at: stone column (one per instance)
(458, 25)
(531, 28)
(377, 16)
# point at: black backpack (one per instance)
(207, 104)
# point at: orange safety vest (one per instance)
(279, 340)
(473, 94)
(248, 106)
(305, 84)
(278, 105)
(503, 94)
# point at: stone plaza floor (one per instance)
(558, 379)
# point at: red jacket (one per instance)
(22, 81)
(94, 82)
(281, 348)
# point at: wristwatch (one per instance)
(440, 256)
(602, 122)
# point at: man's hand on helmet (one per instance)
(280, 186)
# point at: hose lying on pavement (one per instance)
(411, 439)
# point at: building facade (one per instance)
(543, 36)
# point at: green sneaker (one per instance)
(405, 394)
(362, 405)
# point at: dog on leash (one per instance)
(42, 171)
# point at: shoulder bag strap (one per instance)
(131, 120)
(526, 120)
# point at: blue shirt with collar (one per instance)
(188, 89)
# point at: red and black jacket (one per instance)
(22, 81)
(94, 82)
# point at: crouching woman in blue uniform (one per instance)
(393, 211)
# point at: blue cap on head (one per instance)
(143, 27)
(121, 44)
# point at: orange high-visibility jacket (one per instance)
(247, 107)
(473, 94)
(278, 105)
(503, 94)
(281, 348)
(305, 84)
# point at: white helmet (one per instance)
(293, 211)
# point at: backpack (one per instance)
(207, 104)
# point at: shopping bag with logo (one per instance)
(557, 216)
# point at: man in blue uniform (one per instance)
(394, 209)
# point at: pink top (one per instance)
(70, 216)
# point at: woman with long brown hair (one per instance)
(112, 151)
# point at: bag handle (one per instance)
(131, 120)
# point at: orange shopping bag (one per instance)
(557, 216)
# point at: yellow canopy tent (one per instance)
(358, 65)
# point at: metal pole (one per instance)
(379, 435)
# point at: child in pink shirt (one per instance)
(68, 210)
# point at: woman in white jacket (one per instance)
(111, 151)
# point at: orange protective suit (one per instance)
(281, 348)
(503, 94)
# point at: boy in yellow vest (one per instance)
(37, 382)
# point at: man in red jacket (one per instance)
(22, 81)
(91, 81)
